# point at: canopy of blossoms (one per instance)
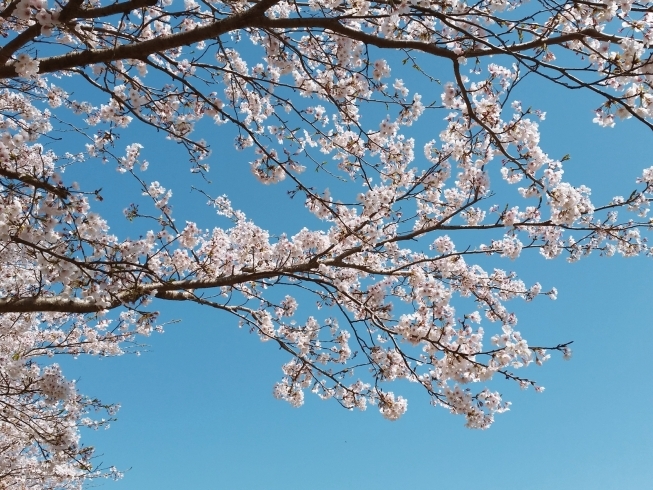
(300, 83)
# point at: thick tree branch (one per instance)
(172, 290)
(116, 8)
(143, 49)
(254, 18)
(34, 30)
(61, 192)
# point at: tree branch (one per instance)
(143, 49)
(61, 192)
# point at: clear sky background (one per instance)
(197, 405)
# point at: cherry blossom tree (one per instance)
(401, 290)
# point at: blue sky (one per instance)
(197, 406)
